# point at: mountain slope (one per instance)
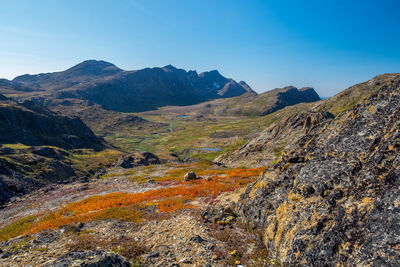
(30, 124)
(32, 146)
(295, 121)
(130, 91)
(333, 198)
(249, 104)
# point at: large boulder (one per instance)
(190, 176)
(333, 199)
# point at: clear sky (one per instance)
(329, 45)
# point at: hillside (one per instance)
(292, 123)
(129, 91)
(249, 104)
(311, 184)
(334, 194)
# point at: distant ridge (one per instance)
(128, 91)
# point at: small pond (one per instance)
(211, 149)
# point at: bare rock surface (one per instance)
(334, 198)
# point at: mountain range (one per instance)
(127, 91)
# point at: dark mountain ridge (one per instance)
(83, 72)
(131, 91)
(31, 124)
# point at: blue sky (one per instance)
(329, 45)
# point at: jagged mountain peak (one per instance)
(169, 67)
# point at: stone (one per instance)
(197, 239)
(99, 173)
(190, 176)
(6, 255)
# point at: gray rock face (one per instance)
(334, 197)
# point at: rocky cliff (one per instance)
(31, 124)
(333, 199)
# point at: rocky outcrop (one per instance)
(333, 199)
(267, 147)
(31, 124)
(290, 95)
(131, 91)
(137, 159)
(23, 170)
(96, 258)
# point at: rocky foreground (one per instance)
(328, 196)
(333, 199)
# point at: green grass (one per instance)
(189, 136)
(16, 146)
(87, 160)
(17, 228)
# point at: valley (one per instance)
(231, 178)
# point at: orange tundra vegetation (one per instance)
(130, 206)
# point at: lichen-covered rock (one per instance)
(334, 198)
(219, 215)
